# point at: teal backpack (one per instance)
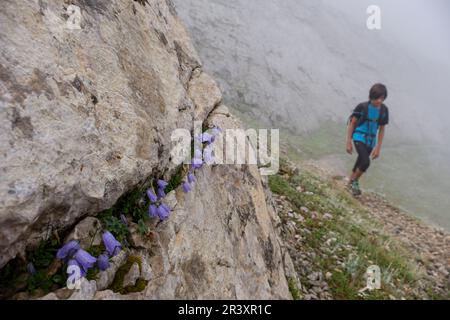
(361, 113)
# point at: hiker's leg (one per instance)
(357, 174)
(355, 167)
(363, 161)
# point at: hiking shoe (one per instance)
(349, 184)
(355, 188)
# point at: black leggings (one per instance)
(363, 161)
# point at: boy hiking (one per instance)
(366, 122)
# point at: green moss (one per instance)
(96, 250)
(295, 292)
(92, 274)
(140, 285)
(117, 284)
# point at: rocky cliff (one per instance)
(87, 115)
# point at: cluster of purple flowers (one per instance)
(157, 208)
(206, 156)
(161, 210)
(200, 158)
(72, 254)
(187, 185)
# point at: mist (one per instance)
(283, 62)
(420, 26)
(302, 66)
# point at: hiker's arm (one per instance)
(380, 137)
(350, 130)
(377, 149)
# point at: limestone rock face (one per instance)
(220, 241)
(85, 115)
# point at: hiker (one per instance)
(366, 122)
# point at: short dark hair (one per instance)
(378, 90)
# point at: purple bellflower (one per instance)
(216, 131)
(84, 259)
(151, 196)
(103, 262)
(186, 187)
(111, 244)
(161, 193)
(198, 138)
(152, 211)
(163, 212)
(207, 138)
(68, 250)
(191, 177)
(162, 184)
(166, 207)
(73, 262)
(197, 163)
(207, 154)
(198, 153)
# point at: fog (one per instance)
(421, 26)
(302, 66)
